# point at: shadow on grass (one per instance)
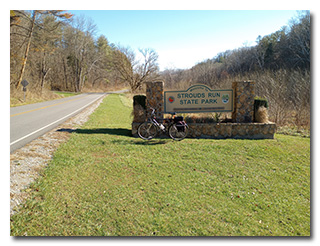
(115, 131)
(140, 142)
(110, 131)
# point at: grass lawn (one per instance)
(103, 182)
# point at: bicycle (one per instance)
(177, 128)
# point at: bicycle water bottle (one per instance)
(162, 127)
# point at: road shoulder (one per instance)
(27, 162)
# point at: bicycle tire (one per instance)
(147, 130)
(177, 135)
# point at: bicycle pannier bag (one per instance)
(179, 123)
(178, 118)
(180, 126)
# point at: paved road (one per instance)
(28, 122)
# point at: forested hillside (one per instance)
(279, 63)
(54, 50)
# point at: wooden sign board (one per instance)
(198, 99)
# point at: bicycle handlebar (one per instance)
(153, 110)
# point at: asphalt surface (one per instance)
(28, 122)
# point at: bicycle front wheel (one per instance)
(147, 130)
(177, 133)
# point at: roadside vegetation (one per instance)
(104, 182)
(55, 50)
(17, 98)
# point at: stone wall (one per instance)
(243, 111)
(154, 94)
(232, 130)
(226, 130)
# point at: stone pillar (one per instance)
(243, 102)
(154, 94)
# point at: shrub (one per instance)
(261, 115)
(140, 100)
(139, 108)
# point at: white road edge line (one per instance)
(40, 129)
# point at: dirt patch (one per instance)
(27, 162)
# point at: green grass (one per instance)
(103, 182)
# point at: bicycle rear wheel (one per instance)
(147, 130)
(177, 134)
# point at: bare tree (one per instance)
(133, 72)
(33, 18)
(123, 61)
(149, 69)
(30, 31)
(80, 47)
(300, 39)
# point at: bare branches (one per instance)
(133, 72)
(27, 50)
(29, 27)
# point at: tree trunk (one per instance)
(44, 71)
(27, 50)
(44, 74)
(65, 74)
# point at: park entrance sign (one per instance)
(197, 99)
(239, 100)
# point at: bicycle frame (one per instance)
(153, 119)
(152, 127)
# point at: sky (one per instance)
(183, 38)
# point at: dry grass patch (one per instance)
(31, 96)
(261, 116)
